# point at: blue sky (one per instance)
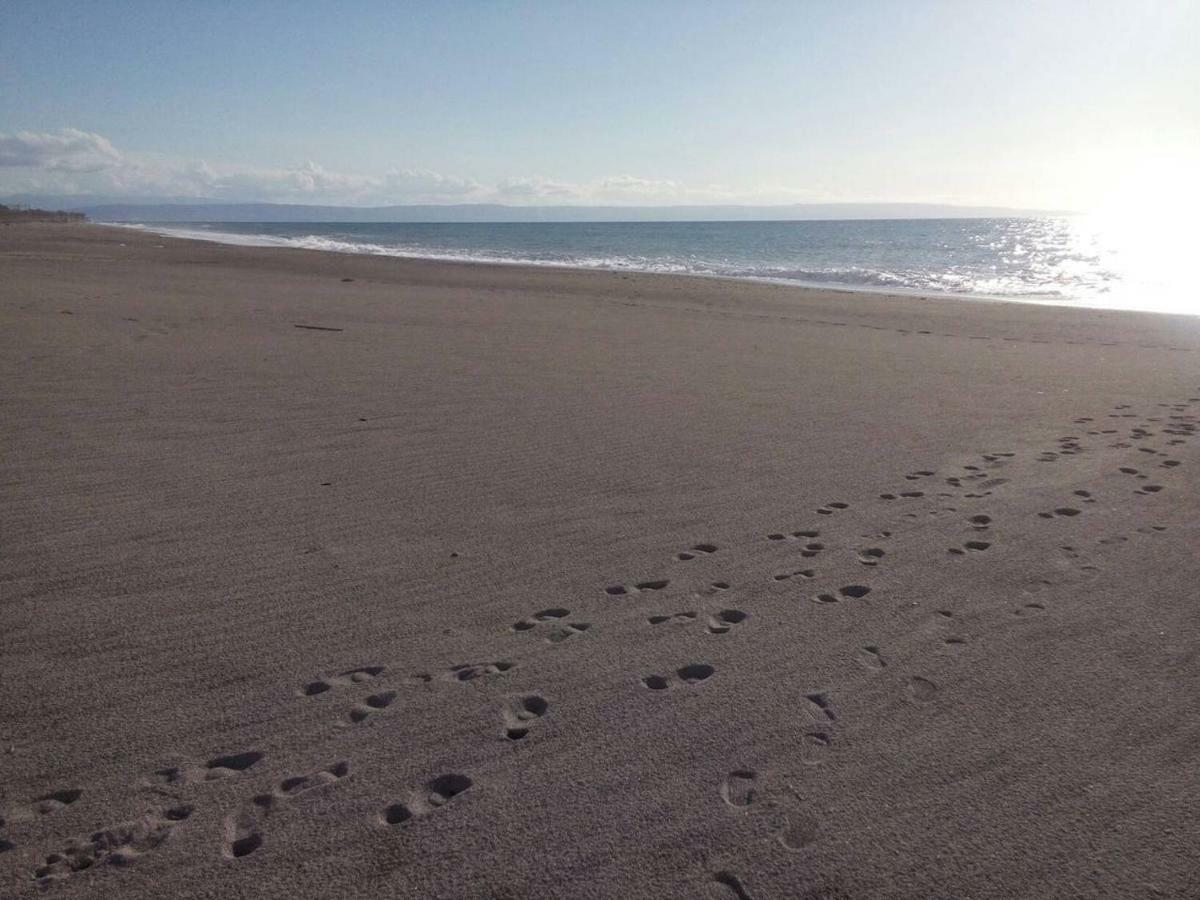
(1054, 105)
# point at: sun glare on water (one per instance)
(1145, 236)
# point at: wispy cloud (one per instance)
(71, 161)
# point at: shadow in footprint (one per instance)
(723, 621)
(436, 794)
(520, 712)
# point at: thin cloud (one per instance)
(71, 161)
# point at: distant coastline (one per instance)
(110, 209)
(10, 215)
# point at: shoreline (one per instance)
(802, 290)
(268, 241)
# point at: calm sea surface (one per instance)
(1075, 261)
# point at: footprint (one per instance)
(436, 794)
(55, 800)
(850, 591)
(795, 535)
(739, 788)
(520, 712)
(224, 766)
(693, 673)
(358, 676)
(797, 574)
(798, 831)
(371, 704)
(976, 546)
(618, 590)
(117, 845)
(699, 548)
(871, 556)
(570, 630)
(980, 522)
(243, 829)
(679, 618)
(821, 707)
(349, 677)
(302, 784)
(471, 671)
(814, 746)
(723, 621)
(538, 618)
(830, 508)
(217, 767)
(731, 881)
(921, 689)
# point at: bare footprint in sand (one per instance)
(870, 657)
(697, 550)
(218, 767)
(734, 885)
(849, 592)
(693, 673)
(117, 845)
(471, 671)
(371, 704)
(621, 590)
(922, 690)
(520, 712)
(739, 789)
(722, 622)
(871, 556)
(679, 618)
(820, 706)
(541, 617)
(436, 794)
(342, 679)
(42, 805)
(569, 630)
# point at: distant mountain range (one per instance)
(109, 209)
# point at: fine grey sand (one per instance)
(336, 576)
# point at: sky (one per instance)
(1050, 105)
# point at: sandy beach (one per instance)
(339, 576)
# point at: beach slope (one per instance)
(329, 575)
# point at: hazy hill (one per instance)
(106, 210)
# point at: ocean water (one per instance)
(1064, 260)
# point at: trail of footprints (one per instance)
(246, 831)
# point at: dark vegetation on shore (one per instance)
(11, 214)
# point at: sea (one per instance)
(1071, 260)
